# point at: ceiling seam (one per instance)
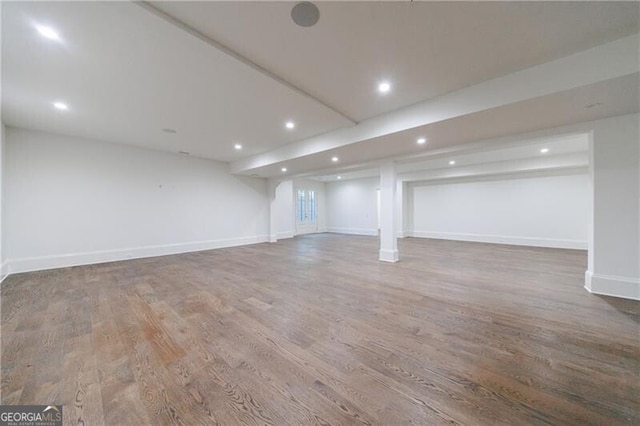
(230, 52)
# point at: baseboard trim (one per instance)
(610, 285)
(389, 256)
(354, 231)
(90, 258)
(4, 271)
(501, 239)
(285, 235)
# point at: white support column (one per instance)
(272, 186)
(388, 235)
(614, 240)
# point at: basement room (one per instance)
(320, 213)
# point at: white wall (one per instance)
(284, 210)
(352, 206)
(3, 271)
(72, 201)
(548, 211)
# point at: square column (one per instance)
(272, 186)
(614, 237)
(388, 220)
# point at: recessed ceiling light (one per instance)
(452, 162)
(544, 150)
(61, 106)
(421, 141)
(334, 159)
(284, 169)
(167, 130)
(238, 146)
(384, 87)
(48, 32)
(290, 125)
(339, 177)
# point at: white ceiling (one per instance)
(425, 49)
(570, 146)
(127, 74)
(238, 70)
(616, 97)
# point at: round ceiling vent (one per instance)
(305, 14)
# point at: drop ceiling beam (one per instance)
(605, 62)
(227, 50)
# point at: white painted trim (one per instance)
(389, 256)
(610, 285)
(4, 271)
(354, 231)
(588, 278)
(286, 234)
(77, 259)
(503, 239)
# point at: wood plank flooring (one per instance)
(314, 330)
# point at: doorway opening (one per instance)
(306, 211)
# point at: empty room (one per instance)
(331, 213)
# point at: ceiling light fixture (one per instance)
(238, 146)
(334, 159)
(61, 106)
(284, 169)
(384, 87)
(290, 125)
(48, 32)
(305, 14)
(544, 150)
(452, 162)
(339, 177)
(421, 141)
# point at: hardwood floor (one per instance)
(314, 330)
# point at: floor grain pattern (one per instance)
(313, 330)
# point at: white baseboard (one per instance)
(389, 255)
(609, 285)
(354, 231)
(502, 239)
(285, 235)
(4, 271)
(77, 259)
